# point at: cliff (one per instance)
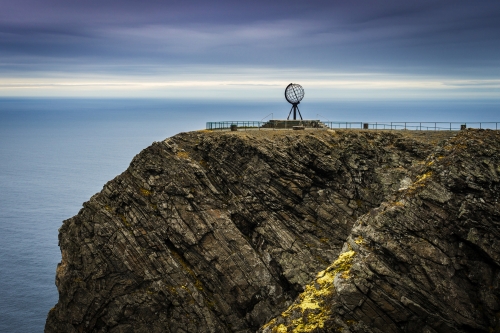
(319, 231)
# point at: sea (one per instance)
(55, 153)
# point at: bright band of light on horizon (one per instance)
(335, 87)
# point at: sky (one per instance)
(336, 49)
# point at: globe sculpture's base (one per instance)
(295, 109)
(288, 124)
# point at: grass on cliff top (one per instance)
(428, 137)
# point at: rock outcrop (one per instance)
(425, 261)
(226, 232)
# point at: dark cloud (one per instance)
(447, 37)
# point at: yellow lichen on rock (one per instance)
(280, 329)
(309, 299)
(343, 264)
(423, 177)
(182, 154)
(271, 323)
(314, 321)
(420, 181)
(145, 192)
(311, 307)
(312, 310)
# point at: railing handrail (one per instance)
(393, 125)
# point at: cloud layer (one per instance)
(173, 41)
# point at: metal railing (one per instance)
(225, 125)
(419, 126)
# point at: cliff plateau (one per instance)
(271, 231)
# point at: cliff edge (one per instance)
(320, 231)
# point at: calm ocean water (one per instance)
(56, 153)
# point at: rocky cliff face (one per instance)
(426, 260)
(226, 232)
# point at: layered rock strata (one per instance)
(221, 232)
(426, 261)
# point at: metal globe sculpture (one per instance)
(294, 94)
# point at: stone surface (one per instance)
(425, 261)
(222, 232)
